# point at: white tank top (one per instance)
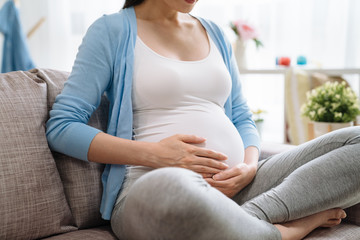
(182, 97)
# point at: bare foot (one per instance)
(298, 229)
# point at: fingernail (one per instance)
(225, 165)
(216, 177)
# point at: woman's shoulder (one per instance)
(115, 23)
(214, 30)
(210, 25)
(216, 33)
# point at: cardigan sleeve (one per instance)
(241, 113)
(67, 129)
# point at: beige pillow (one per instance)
(81, 180)
(33, 203)
(318, 79)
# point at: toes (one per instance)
(338, 213)
(335, 221)
(331, 223)
(343, 215)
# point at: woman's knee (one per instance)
(349, 135)
(179, 204)
(167, 181)
(354, 135)
(162, 197)
(166, 186)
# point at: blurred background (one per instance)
(325, 32)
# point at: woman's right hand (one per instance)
(179, 151)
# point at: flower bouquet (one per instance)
(245, 32)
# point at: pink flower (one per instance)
(245, 30)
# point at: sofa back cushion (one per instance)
(353, 214)
(33, 204)
(81, 180)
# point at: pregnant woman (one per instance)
(181, 149)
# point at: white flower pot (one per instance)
(259, 127)
(240, 53)
(321, 128)
(358, 120)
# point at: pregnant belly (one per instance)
(221, 135)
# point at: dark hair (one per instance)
(132, 3)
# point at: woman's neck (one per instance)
(158, 12)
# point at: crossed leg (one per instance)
(304, 185)
(296, 191)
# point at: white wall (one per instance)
(327, 31)
(55, 43)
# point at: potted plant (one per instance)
(331, 106)
(244, 33)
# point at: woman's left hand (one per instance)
(233, 180)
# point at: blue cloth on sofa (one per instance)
(16, 54)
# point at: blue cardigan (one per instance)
(104, 64)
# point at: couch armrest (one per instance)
(268, 149)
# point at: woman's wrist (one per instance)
(148, 154)
(251, 158)
(252, 169)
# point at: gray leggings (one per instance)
(175, 203)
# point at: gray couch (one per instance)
(46, 195)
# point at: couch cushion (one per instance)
(353, 215)
(343, 231)
(269, 149)
(81, 180)
(101, 233)
(83, 189)
(33, 203)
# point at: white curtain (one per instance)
(55, 43)
(327, 32)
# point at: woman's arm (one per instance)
(175, 151)
(67, 130)
(251, 158)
